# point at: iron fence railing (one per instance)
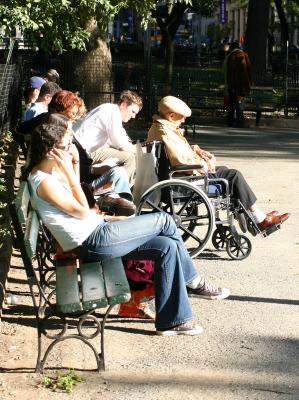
(128, 71)
(10, 92)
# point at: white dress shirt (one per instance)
(102, 127)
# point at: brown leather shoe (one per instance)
(271, 220)
(116, 205)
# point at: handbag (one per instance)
(146, 170)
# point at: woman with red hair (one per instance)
(69, 104)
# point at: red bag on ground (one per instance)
(140, 271)
(140, 274)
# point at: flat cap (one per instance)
(173, 104)
(36, 82)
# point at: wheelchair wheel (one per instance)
(220, 237)
(189, 206)
(239, 249)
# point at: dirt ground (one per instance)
(249, 348)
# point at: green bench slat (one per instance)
(67, 287)
(93, 286)
(31, 233)
(22, 202)
(117, 287)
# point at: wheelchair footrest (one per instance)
(271, 229)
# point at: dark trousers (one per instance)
(235, 111)
(239, 188)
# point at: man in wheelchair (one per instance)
(166, 128)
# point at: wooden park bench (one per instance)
(203, 96)
(291, 102)
(69, 291)
(261, 100)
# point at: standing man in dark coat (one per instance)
(239, 81)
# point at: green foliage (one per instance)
(292, 9)
(62, 382)
(62, 24)
(205, 7)
(216, 32)
(8, 136)
(4, 233)
(57, 24)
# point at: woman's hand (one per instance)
(64, 162)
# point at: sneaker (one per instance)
(184, 329)
(209, 291)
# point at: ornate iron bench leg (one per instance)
(84, 340)
(39, 367)
(102, 356)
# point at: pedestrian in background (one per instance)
(237, 70)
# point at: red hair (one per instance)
(64, 101)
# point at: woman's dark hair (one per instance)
(57, 120)
(27, 127)
(44, 138)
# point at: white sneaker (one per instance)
(207, 290)
(188, 328)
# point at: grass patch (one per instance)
(62, 382)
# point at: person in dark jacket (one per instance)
(238, 80)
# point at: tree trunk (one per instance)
(169, 57)
(169, 26)
(283, 22)
(256, 37)
(93, 72)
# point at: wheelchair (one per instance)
(201, 207)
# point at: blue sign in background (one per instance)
(223, 15)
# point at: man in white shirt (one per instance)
(46, 93)
(101, 132)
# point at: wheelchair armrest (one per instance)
(187, 167)
(221, 181)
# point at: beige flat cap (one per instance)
(173, 104)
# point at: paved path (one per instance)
(249, 348)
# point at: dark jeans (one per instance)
(239, 188)
(235, 111)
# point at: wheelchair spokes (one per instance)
(238, 248)
(189, 207)
(220, 237)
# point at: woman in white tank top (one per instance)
(58, 198)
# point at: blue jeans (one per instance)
(150, 237)
(118, 176)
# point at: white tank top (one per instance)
(69, 231)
